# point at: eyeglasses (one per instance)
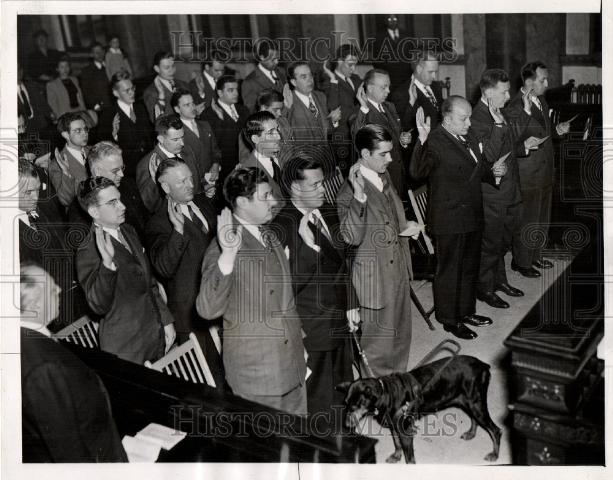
(116, 171)
(129, 90)
(80, 130)
(111, 203)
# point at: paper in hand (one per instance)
(571, 119)
(503, 158)
(412, 230)
(541, 140)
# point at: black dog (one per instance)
(396, 401)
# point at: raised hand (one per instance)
(412, 92)
(63, 163)
(105, 247)
(495, 112)
(563, 128)
(229, 236)
(532, 143)
(175, 215)
(170, 335)
(423, 125)
(158, 85)
(527, 100)
(307, 234)
(217, 109)
(357, 180)
(361, 96)
(353, 319)
(288, 99)
(499, 169)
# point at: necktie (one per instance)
(319, 224)
(27, 110)
(123, 240)
(268, 236)
(84, 157)
(431, 96)
(276, 171)
(313, 108)
(132, 114)
(196, 219)
(172, 86)
(234, 114)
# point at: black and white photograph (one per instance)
(272, 240)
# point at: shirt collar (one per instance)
(98, 64)
(191, 124)
(166, 83)
(374, 104)
(24, 217)
(265, 161)
(266, 72)
(252, 229)
(340, 75)
(37, 327)
(78, 154)
(424, 88)
(372, 177)
(304, 98)
(114, 50)
(313, 213)
(230, 109)
(209, 78)
(113, 232)
(125, 107)
(166, 152)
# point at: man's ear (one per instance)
(115, 93)
(160, 138)
(293, 82)
(65, 136)
(365, 153)
(343, 387)
(241, 201)
(157, 69)
(165, 187)
(92, 210)
(255, 139)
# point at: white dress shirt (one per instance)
(196, 211)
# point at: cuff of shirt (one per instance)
(225, 266)
(364, 110)
(362, 199)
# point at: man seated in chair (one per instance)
(65, 407)
(115, 273)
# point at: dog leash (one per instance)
(362, 356)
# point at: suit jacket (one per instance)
(497, 141)
(40, 111)
(305, 127)
(321, 280)
(58, 99)
(205, 148)
(257, 81)
(134, 138)
(209, 92)
(150, 191)
(536, 170)
(66, 186)
(252, 161)
(263, 353)
(66, 411)
(95, 86)
(400, 97)
(345, 97)
(150, 98)
(227, 132)
(455, 202)
(39, 64)
(178, 258)
(128, 299)
(380, 256)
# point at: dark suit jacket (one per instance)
(343, 96)
(41, 111)
(497, 141)
(321, 280)
(252, 161)
(178, 258)
(536, 170)
(209, 93)
(205, 148)
(226, 132)
(66, 411)
(128, 299)
(262, 344)
(455, 202)
(39, 64)
(305, 127)
(150, 98)
(134, 138)
(400, 97)
(95, 86)
(257, 81)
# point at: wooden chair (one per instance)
(332, 184)
(185, 361)
(83, 332)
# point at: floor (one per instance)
(438, 440)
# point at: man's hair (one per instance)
(291, 70)
(166, 122)
(166, 165)
(370, 75)
(119, 77)
(255, 125)
(344, 51)
(28, 280)
(370, 135)
(424, 56)
(294, 168)
(491, 77)
(242, 182)
(180, 92)
(528, 71)
(449, 103)
(25, 168)
(63, 123)
(95, 44)
(100, 151)
(214, 56)
(63, 58)
(265, 47)
(221, 82)
(267, 97)
(161, 55)
(89, 190)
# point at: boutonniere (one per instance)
(480, 147)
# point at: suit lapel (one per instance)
(465, 153)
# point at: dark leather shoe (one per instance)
(542, 264)
(492, 300)
(476, 320)
(528, 272)
(509, 290)
(460, 330)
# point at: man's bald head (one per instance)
(456, 113)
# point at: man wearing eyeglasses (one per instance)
(119, 285)
(67, 167)
(126, 123)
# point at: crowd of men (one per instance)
(206, 201)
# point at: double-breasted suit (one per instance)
(256, 82)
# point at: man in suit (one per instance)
(178, 235)
(374, 109)
(246, 279)
(344, 96)
(66, 414)
(373, 222)
(500, 205)
(105, 160)
(536, 172)
(116, 276)
(94, 82)
(203, 86)
(157, 95)
(44, 240)
(227, 118)
(170, 134)
(42, 61)
(451, 158)
(126, 122)
(199, 138)
(267, 74)
(325, 298)
(391, 43)
(67, 168)
(32, 104)
(262, 135)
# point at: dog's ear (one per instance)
(343, 387)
